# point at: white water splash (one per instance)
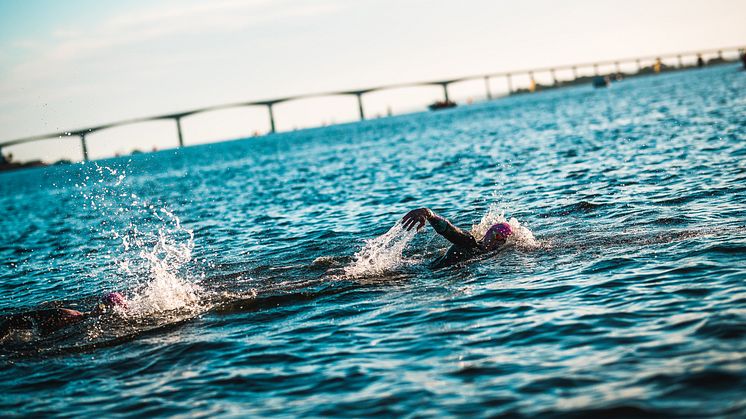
(522, 237)
(382, 254)
(165, 288)
(152, 265)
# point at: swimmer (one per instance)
(465, 245)
(47, 321)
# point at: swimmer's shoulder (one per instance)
(49, 320)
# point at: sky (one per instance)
(66, 65)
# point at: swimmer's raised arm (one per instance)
(416, 219)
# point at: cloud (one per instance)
(155, 24)
(165, 15)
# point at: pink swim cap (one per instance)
(502, 230)
(114, 299)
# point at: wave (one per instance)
(155, 268)
(580, 240)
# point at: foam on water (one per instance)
(154, 259)
(382, 254)
(522, 237)
(166, 288)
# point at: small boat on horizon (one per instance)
(441, 104)
(600, 81)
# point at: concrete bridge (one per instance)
(719, 53)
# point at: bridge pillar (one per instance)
(271, 118)
(510, 83)
(487, 87)
(84, 147)
(178, 131)
(554, 76)
(532, 85)
(681, 63)
(360, 105)
(445, 92)
(617, 68)
(574, 72)
(720, 55)
(639, 65)
(595, 70)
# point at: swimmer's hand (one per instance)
(416, 218)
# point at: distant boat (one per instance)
(441, 104)
(599, 82)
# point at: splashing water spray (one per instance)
(155, 254)
(385, 253)
(522, 237)
(382, 254)
(166, 258)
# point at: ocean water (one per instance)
(269, 276)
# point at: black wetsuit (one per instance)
(465, 246)
(456, 254)
(42, 321)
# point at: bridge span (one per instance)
(676, 58)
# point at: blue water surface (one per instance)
(247, 297)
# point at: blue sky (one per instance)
(72, 64)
